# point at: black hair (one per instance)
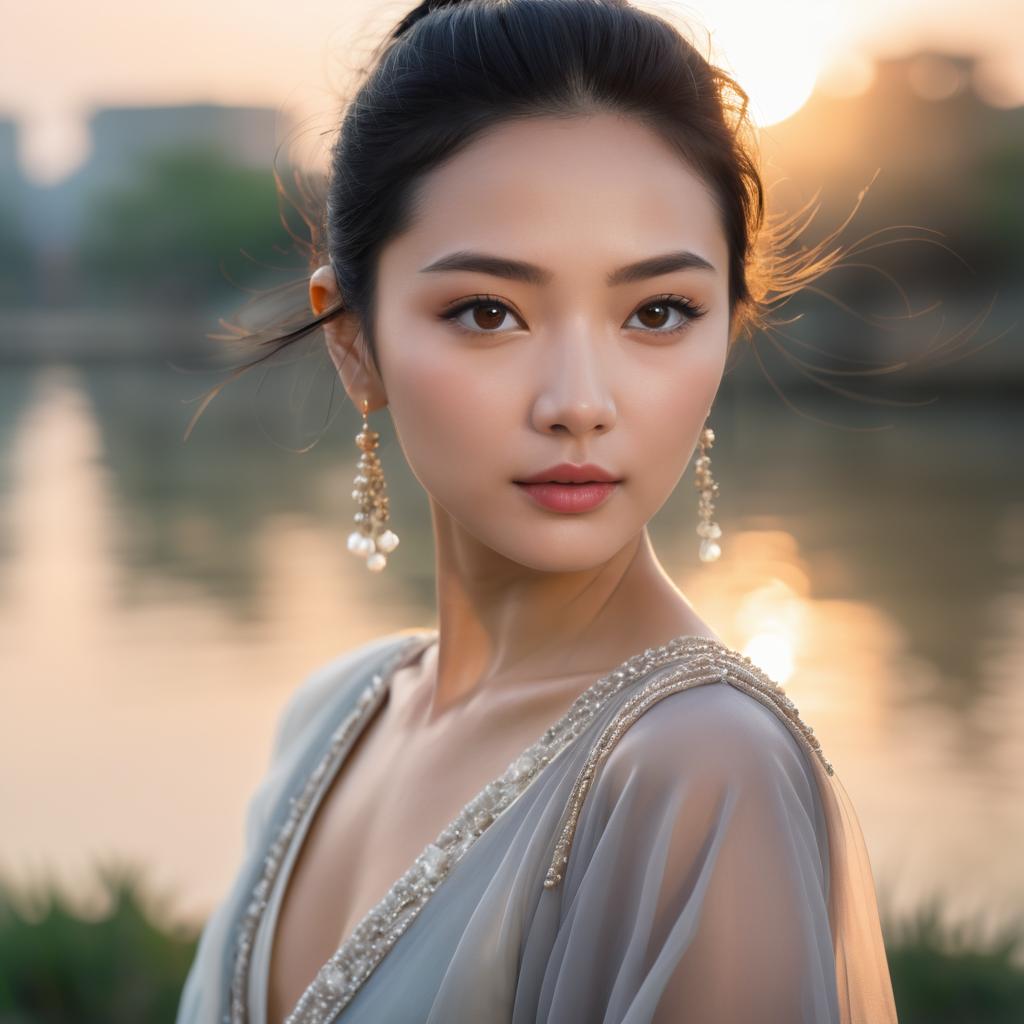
(452, 69)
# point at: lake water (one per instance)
(159, 602)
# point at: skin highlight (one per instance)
(571, 368)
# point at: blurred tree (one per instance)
(57, 967)
(191, 228)
(17, 257)
(997, 203)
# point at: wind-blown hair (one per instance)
(451, 71)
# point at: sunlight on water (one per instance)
(772, 652)
(144, 708)
(153, 623)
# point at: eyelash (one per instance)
(689, 310)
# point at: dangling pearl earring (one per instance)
(371, 539)
(708, 530)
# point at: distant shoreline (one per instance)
(89, 334)
(29, 335)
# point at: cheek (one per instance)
(451, 416)
(661, 441)
(666, 420)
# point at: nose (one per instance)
(574, 394)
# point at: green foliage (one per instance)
(996, 202)
(17, 267)
(58, 968)
(948, 974)
(190, 227)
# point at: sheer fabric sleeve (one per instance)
(697, 887)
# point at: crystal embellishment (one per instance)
(435, 861)
(719, 666)
(348, 968)
(331, 977)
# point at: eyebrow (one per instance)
(530, 273)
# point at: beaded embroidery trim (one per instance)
(341, 740)
(724, 666)
(338, 980)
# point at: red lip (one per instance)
(569, 497)
(567, 473)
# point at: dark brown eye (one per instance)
(653, 315)
(488, 315)
(483, 316)
(657, 315)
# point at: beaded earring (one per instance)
(371, 539)
(707, 529)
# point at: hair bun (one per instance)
(419, 12)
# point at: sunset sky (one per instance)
(63, 60)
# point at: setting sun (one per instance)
(775, 51)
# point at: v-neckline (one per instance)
(354, 960)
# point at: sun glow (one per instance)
(772, 653)
(775, 51)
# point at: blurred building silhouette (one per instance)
(941, 149)
(949, 171)
(10, 173)
(948, 162)
(122, 139)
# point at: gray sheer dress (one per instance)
(675, 848)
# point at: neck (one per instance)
(501, 625)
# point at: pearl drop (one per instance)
(709, 550)
(355, 542)
(376, 562)
(387, 541)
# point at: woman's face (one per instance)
(567, 356)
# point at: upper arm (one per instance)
(696, 886)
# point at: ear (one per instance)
(345, 342)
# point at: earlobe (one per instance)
(334, 349)
(343, 348)
(346, 347)
(343, 339)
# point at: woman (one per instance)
(571, 802)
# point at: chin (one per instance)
(563, 548)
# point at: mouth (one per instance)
(569, 497)
(568, 487)
(566, 483)
(569, 473)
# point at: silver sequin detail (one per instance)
(341, 740)
(720, 666)
(346, 971)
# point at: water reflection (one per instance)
(159, 602)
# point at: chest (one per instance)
(390, 797)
